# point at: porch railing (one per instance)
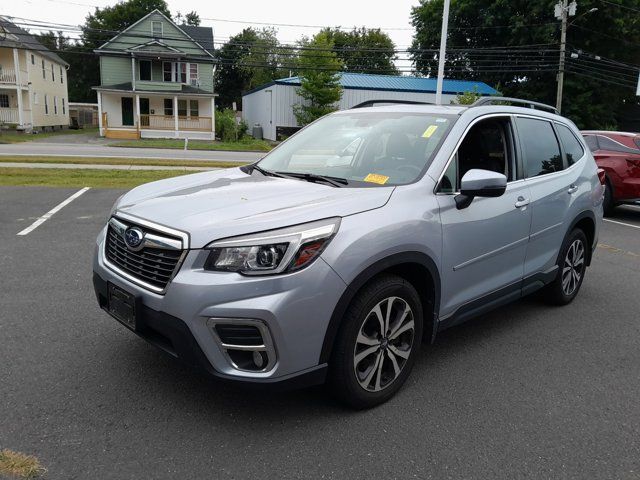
(8, 75)
(167, 122)
(8, 115)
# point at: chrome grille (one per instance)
(153, 264)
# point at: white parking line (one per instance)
(51, 212)
(622, 223)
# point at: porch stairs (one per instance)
(120, 133)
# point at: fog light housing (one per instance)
(246, 344)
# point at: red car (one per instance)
(618, 154)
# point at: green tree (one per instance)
(473, 24)
(55, 41)
(192, 18)
(364, 50)
(249, 59)
(320, 85)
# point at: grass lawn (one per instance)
(115, 161)
(11, 136)
(247, 144)
(82, 178)
(18, 465)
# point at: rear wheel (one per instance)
(608, 205)
(377, 343)
(572, 264)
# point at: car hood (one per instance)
(213, 205)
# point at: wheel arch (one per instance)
(412, 266)
(586, 221)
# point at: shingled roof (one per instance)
(12, 36)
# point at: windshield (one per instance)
(365, 148)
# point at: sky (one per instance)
(392, 17)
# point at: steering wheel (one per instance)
(410, 168)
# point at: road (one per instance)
(528, 391)
(51, 149)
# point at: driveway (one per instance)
(59, 149)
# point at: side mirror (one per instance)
(480, 183)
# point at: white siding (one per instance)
(276, 108)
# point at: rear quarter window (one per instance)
(591, 141)
(573, 150)
(540, 147)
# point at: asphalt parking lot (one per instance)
(528, 391)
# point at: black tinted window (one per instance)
(610, 145)
(592, 142)
(572, 148)
(540, 147)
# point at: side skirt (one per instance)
(498, 298)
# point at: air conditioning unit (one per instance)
(195, 82)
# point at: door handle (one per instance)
(522, 202)
(572, 189)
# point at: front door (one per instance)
(144, 112)
(127, 111)
(484, 245)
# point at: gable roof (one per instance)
(400, 83)
(202, 35)
(19, 38)
(180, 28)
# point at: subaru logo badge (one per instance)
(133, 237)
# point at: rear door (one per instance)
(553, 188)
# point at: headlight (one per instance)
(278, 251)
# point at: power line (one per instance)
(620, 6)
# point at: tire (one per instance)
(367, 367)
(571, 269)
(608, 205)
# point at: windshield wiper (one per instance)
(312, 177)
(266, 173)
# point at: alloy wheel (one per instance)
(384, 344)
(573, 267)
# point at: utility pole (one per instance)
(443, 51)
(562, 11)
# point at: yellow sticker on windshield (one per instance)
(376, 178)
(430, 131)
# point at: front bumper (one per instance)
(296, 308)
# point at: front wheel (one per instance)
(572, 265)
(377, 343)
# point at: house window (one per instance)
(46, 105)
(145, 70)
(33, 59)
(167, 70)
(183, 72)
(193, 74)
(53, 73)
(36, 100)
(182, 108)
(4, 100)
(193, 108)
(55, 105)
(156, 29)
(64, 111)
(44, 70)
(61, 76)
(168, 106)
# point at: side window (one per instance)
(611, 145)
(540, 147)
(637, 142)
(572, 148)
(487, 146)
(592, 142)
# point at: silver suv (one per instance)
(337, 254)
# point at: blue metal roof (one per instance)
(363, 81)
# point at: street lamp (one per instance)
(562, 10)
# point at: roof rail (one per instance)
(519, 101)
(373, 103)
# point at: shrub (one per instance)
(227, 128)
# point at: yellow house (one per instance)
(33, 82)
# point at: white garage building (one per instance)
(271, 105)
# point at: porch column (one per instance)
(213, 118)
(133, 73)
(175, 115)
(16, 63)
(138, 110)
(29, 91)
(100, 114)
